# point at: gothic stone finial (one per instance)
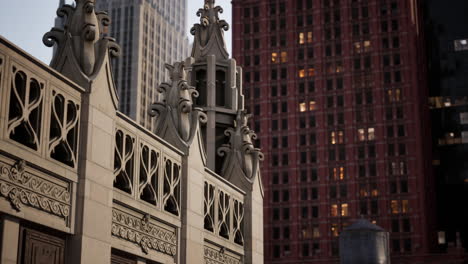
(209, 36)
(175, 112)
(241, 155)
(83, 37)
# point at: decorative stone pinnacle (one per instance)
(82, 38)
(209, 37)
(210, 3)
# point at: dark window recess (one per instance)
(221, 88)
(201, 87)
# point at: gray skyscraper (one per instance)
(151, 33)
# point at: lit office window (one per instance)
(334, 230)
(301, 73)
(274, 57)
(334, 210)
(367, 45)
(361, 134)
(404, 206)
(301, 38)
(333, 137)
(312, 106)
(302, 107)
(344, 209)
(461, 44)
(284, 57)
(395, 206)
(371, 133)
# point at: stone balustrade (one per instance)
(223, 212)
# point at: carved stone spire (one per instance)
(242, 158)
(209, 35)
(177, 119)
(81, 43)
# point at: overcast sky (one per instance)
(24, 22)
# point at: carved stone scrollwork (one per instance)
(171, 188)
(209, 205)
(223, 214)
(82, 40)
(240, 154)
(238, 222)
(25, 109)
(63, 138)
(144, 233)
(214, 256)
(124, 161)
(177, 119)
(22, 188)
(148, 173)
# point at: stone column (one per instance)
(10, 240)
(211, 113)
(92, 241)
(253, 225)
(192, 237)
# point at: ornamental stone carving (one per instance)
(144, 233)
(208, 35)
(22, 188)
(177, 118)
(213, 256)
(81, 45)
(241, 157)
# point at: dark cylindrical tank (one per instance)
(364, 243)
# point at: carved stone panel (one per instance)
(25, 109)
(144, 232)
(64, 123)
(149, 174)
(171, 195)
(40, 248)
(238, 222)
(209, 207)
(223, 214)
(124, 161)
(23, 188)
(215, 255)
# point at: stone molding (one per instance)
(144, 233)
(213, 256)
(22, 188)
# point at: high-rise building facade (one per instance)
(447, 48)
(151, 33)
(337, 89)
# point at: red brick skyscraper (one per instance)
(338, 95)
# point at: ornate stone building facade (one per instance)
(82, 183)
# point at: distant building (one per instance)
(151, 33)
(447, 46)
(337, 89)
(82, 183)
